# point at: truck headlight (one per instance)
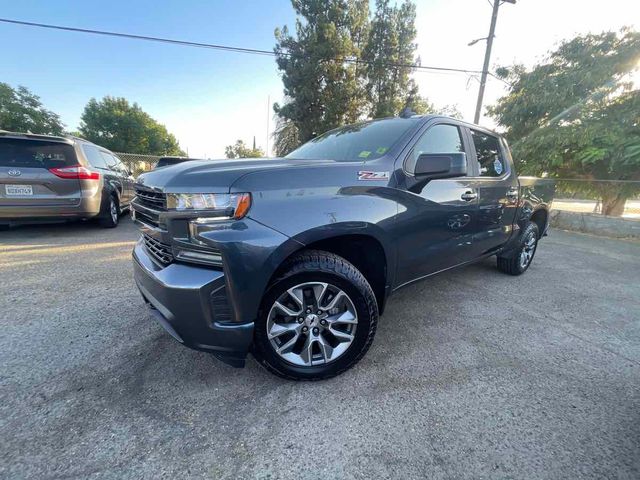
(222, 205)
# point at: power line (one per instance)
(228, 48)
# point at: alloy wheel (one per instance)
(528, 249)
(113, 211)
(312, 323)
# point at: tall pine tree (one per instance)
(391, 41)
(323, 89)
(340, 67)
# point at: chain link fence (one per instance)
(138, 163)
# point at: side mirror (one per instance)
(441, 165)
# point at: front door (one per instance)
(436, 220)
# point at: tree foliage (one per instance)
(322, 92)
(391, 40)
(240, 150)
(337, 67)
(22, 111)
(116, 124)
(287, 137)
(577, 115)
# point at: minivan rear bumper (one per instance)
(88, 207)
(185, 300)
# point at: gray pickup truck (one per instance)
(293, 259)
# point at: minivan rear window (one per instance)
(15, 152)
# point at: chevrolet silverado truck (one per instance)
(293, 259)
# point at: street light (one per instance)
(473, 42)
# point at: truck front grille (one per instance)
(158, 250)
(150, 198)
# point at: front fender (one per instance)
(252, 252)
(314, 214)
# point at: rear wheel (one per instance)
(110, 216)
(520, 259)
(317, 319)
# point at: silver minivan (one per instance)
(45, 178)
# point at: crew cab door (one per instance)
(496, 182)
(436, 216)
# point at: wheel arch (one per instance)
(364, 250)
(540, 217)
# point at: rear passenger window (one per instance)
(491, 162)
(438, 139)
(111, 162)
(94, 156)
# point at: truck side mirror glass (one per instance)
(441, 165)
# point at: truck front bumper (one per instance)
(191, 303)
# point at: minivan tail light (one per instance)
(76, 171)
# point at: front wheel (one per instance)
(520, 259)
(317, 319)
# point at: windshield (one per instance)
(359, 142)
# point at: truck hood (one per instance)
(214, 176)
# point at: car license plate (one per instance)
(18, 190)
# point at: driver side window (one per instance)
(440, 138)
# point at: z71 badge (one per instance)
(366, 175)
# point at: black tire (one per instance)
(318, 266)
(513, 262)
(107, 217)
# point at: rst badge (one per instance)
(368, 175)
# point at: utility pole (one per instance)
(487, 56)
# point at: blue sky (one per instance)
(211, 98)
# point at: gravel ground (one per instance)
(473, 374)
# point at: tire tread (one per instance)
(511, 264)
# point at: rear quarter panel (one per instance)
(535, 194)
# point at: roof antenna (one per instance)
(407, 112)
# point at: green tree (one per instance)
(577, 115)
(22, 111)
(391, 41)
(120, 126)
(240, 150)
(286, 137)
(323, 89)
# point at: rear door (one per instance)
(102, 160)
(25, 173)
(127, 178)
(496, 182)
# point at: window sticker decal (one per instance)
(364, 154)
(497, 166)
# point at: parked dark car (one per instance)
(47, 178)
(167, 161)
(294, 258)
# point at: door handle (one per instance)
(512, 194)
(468, 196)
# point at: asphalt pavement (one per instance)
(472, 374)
